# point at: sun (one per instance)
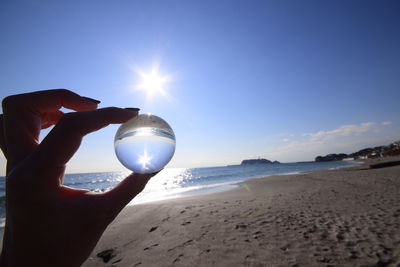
(153, 82)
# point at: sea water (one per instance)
(145, 144)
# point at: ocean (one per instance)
(179, 182)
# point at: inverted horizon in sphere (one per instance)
(145, 144)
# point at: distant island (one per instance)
(392, 149)
(258, 161)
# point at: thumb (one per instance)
(118, 197)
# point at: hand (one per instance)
(49, 224)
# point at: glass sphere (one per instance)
(145, 143)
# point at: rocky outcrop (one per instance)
(257, 161)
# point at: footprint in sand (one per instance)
(107, 255)
(152, 246)
(153, 229)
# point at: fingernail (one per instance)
(91, 99)
(133, 109)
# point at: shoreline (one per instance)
(346, 217)
(218, 188)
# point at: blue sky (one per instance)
(284, 80)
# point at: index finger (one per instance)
(64, 140)
(48, 100)
(22, 118)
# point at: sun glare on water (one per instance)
(153, 82)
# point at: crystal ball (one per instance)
(145, 143)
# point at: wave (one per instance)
(2, 211)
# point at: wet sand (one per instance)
(346, 217)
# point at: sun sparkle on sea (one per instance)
(166, 184)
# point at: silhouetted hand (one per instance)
(49, 224)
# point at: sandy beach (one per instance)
(346, 217)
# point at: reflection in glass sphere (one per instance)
(145, 144)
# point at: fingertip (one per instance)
(133, 111)
(89, 104)
(92, 100)
(74, 101)
(143, 177)
(116, 115)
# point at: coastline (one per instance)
(221, 186)
(348, 216)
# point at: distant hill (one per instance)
(258, 161)
(375, 152)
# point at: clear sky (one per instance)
(285, 80)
